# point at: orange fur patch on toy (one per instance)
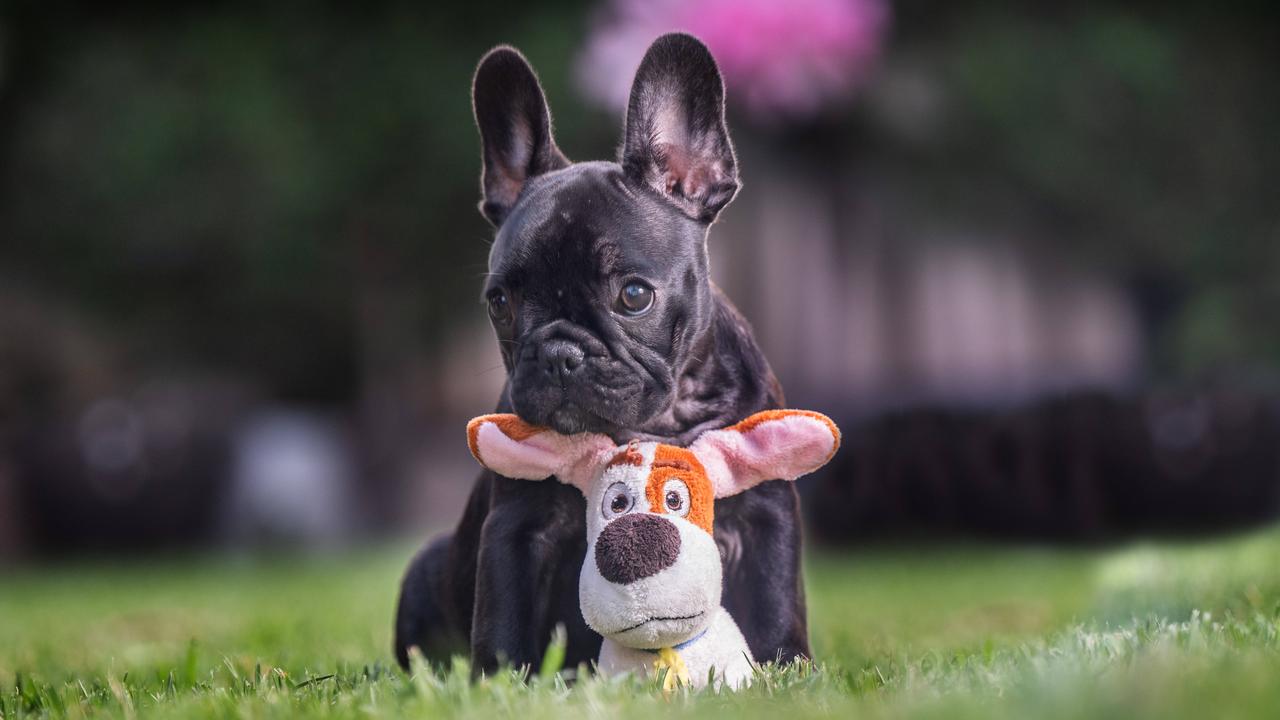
(630, 455)
(510, 425)
(677, 463)
(670, 462)
(765, 416)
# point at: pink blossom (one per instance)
(781, 59)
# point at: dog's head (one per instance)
(652, 576)
(598, 286)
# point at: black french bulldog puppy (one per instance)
(608, 322)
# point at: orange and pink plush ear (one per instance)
(770, 445)
(513, 448)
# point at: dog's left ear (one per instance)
(770, 445)
(676, 141)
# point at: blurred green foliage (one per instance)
(227, 184)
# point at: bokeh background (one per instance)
(1028, 255)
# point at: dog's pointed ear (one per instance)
(675, 139)
(513, 448)
(515, 129)
(770, 445)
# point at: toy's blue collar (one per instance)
(684, 644)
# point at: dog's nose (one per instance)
(560, 358)
(636, 546)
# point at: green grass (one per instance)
(1152, 630)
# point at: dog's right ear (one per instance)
(513, 448)
(515, 129)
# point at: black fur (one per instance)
(565, 246)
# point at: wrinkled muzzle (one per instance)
(566, 378)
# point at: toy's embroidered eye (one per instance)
(617, 500)
(675, 495)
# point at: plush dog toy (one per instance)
(652, 580)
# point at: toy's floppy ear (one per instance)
(513, 448)
(774, 444)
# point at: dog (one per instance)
(651, 584)
(608, 322)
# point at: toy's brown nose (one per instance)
(636, 546)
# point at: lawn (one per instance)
(1144, 630)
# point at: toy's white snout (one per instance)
(658, 592)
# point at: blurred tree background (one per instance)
(224, 184)
(276, 204)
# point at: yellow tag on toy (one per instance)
(677, 672)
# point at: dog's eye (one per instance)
(635, 298)
(617, 500)
(675, 495)
(499, 307)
